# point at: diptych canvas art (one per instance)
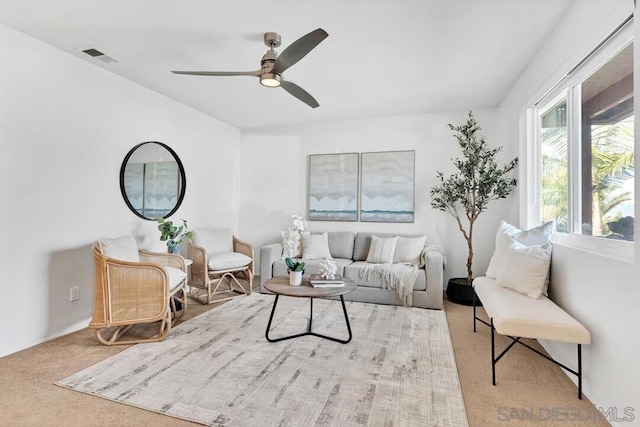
(387, 186)
(371, 187)
(333, 187)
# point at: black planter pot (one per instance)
(460, 293)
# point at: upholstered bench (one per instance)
(518, 316)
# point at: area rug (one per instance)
(218, 369)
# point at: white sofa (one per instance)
(349, 250)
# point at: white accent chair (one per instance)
(136, 287)
(221, 263)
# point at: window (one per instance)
(583, 139)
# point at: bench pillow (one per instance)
(535, 236)
(524, 269)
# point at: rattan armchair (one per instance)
(222, 266)
(131, 293)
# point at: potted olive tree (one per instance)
(466, 193)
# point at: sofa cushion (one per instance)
(311, 266)
(382, 249)
(352, 271)
(123, 248)
(361, 246)
(341, 243)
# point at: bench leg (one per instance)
(580, 371)
(474, 311)
(493, 354)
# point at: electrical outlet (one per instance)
(74, 293)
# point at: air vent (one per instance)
(95, 53)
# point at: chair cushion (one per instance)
(214, 240)
(227, 261)
(176, 276)
(315, 246)
(123, 248)
(518, 315)
(352, 271)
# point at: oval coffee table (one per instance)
(280, 286)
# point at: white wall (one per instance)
(600, 292)
(65, 127)
(277, 185)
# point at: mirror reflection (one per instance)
(152, 180)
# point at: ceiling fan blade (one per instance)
(298, 49)
(299, 93)
(219, 73)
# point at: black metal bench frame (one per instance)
(516, 340)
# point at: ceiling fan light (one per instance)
(270, 80)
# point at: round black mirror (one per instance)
(152, 180)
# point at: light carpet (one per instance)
(218, 369)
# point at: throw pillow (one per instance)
(315, 246)
(409, 249)
(382, 250)
(291, 247)
(214, 240)
(536, 236)
(123, 248)
(524, 269)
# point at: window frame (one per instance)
(570, 87)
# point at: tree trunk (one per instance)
(470, 256)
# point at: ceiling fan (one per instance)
(273, 65)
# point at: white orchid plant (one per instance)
(291, 237)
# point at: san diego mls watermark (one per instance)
(558, 414)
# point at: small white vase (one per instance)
(295, 278)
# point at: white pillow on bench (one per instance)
(524, 269)
(539, 235)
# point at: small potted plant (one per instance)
(296, 270)
(173, 234)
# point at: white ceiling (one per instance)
(382, 57)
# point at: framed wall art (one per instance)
(333, 187)
(387, 186)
